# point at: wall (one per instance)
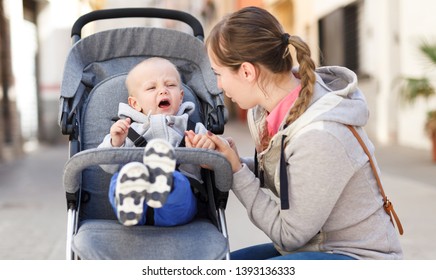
(390, 33)
(416, 25)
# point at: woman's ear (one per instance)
(248, 71)
(134, 103)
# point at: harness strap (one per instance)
(149, 216)
(198, 189)
(138, 140)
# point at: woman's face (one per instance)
(235, 84)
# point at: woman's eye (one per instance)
(214, 72)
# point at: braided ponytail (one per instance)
(307, 77)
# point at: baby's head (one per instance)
(155, 87)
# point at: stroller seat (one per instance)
(92, 88)
(108, 239)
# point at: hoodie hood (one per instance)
(337, 97)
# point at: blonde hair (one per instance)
(254, 35)
(130, 87)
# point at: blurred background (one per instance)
(381, 41)
(391, 45)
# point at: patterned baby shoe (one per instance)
(160, 158)
(130, 192)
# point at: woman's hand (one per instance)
(193, 140)
(226, 147)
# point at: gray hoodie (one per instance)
(334, 201)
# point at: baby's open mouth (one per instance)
(164, 103)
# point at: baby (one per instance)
(153, 191)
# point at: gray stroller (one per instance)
(92, 87)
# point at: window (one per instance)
(339, 37)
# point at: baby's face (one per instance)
(155, 88)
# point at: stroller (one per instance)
(92, 87)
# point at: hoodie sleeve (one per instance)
(200, 128)
(318, 170)
(106, 142)
(108, 168)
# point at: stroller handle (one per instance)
(96, 156)
(189, 19)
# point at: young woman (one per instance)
(328, 203)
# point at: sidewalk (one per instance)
(32, 206)
(33, 211)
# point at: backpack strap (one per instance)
(387, 205)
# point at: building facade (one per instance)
(380, 41)
(376, 39)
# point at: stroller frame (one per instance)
(82, 158)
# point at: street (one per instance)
(33, 209)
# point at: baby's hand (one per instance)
(119, 131)
(193, 140)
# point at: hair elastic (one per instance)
(285, 38)
(285, 42)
